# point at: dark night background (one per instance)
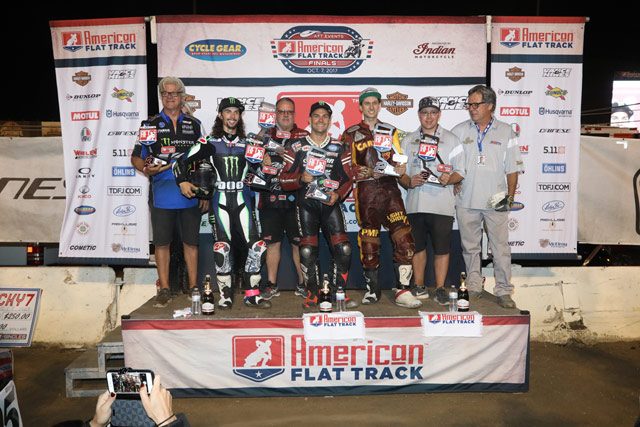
(28, 75)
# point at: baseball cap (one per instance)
(370, 91)
(429, 101)
(320, 104)
(230, 102)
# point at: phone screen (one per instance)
(129, 382)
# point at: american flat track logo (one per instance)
(258, 357)
(321, 49)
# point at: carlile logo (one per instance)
(322, 49)
(258, 357)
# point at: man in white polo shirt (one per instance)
(492, 165)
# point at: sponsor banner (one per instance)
(32, 199)
(262, 357)
(536, 71)
(344, 325)
(609, 191)
(102, 95)
(18, 311)
(307, 48)
(446, 324)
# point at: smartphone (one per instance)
(129, 381)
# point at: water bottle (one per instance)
(195, 302)
(340, 299)
(453, 299)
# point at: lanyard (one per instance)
(482, 134)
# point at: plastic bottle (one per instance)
(453, 298)
(341, 303)
(195, 301)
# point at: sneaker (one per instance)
(505, 301)
(256, 301)
(301, 290)
(310, 301)
(419, 292)
(225, 303)
(441, 296)
(404, 298)
(270, 291)
(369, 298)
(163, 297)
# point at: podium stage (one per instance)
(210, 356)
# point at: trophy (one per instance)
(383, 144)
(266, 115)
(315, 165)
(428, 152)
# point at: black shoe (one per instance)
(163, 298)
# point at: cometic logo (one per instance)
(258, 357)
(82, 247)
(516, 242)
(553, 206)
(215, 50)
(553, 187)
(321, 49)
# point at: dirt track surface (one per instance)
(571, 385)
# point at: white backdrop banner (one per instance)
(311, 58)
(536, 71)
(270, 357)
(609, 191)
(32, 198)
(102, 93)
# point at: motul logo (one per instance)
(85, 115)
(515, 111)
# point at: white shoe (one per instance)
(404, 298)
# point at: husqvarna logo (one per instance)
(258, 357)
(321, 49)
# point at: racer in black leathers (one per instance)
(314, 215)
(232, 214)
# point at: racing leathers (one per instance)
(379, 203)
(314, 215)
(231, 214)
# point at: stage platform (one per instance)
(249, 352)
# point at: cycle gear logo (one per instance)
(322, 49)
(258, 357)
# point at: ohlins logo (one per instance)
(320, 49)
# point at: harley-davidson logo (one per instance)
(397, 103)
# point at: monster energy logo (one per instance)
(231, 163)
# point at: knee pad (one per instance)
(369, 251)
(308, 252)
(404, 245)
(222, 257)
(255, 256)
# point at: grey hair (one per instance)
(170, 80)
(488, 94)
